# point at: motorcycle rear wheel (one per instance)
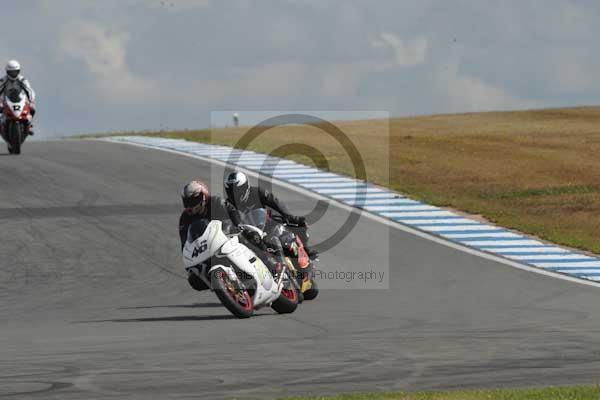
(237, 301)
(313, 292)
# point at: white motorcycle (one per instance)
(239, 278)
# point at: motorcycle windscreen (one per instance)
(197, 229)
(14, 95)
(256, 217)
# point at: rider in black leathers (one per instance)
(198, 205)
(244, 197)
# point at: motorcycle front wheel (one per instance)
(287, 302)
(236, 300)
(15, 137)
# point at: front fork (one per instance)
(289, 266)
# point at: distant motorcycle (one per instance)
(17, 120)
(214, 254)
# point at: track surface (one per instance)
(93, 304)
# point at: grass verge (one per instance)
(534, 171)
(560, 393)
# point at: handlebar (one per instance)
(284, 221)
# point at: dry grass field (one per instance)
(535, 171)
(551, 393)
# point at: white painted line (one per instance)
(570, 264)
(460, 246)
(359, 196)
(501, 234)
(311, 175)
(579, 271)
(545, 249)
(592, 278)
(215, 154)
(468, 227)
(267, 161)
(320, 180)
(501, 242)
(423, 214)
(418, 222)
(550, 257)
(391, 201)
(391, 208)
(351, 190)
(305, 172)
(286, 168)
(333, 185)
(251, 158)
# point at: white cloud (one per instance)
(406, 52)
(103, 53)
(255, 87)
(456, 92)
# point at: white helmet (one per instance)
(237, 188)
(13, 69)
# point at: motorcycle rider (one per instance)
(245, 197)
(198, 205)
(13, 80)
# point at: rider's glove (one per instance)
(252, 236)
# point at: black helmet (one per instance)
(237, 188)
(195, 197)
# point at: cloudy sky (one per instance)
(148, 64)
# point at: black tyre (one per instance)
(237, 301)
(287, 301)
(15, 136)
(313, 292)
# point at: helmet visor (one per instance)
(193, 205)
(13, 73)
(237, 194)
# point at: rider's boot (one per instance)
(275, 265)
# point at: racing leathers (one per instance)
(216, 209)
(261, 198)
(18, 84)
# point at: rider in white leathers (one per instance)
(13, 80)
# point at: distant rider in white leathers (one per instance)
(13, 80)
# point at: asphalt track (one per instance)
(93, 303)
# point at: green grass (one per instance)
(558, 393)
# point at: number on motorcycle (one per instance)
(201, 249)
(17, 107)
